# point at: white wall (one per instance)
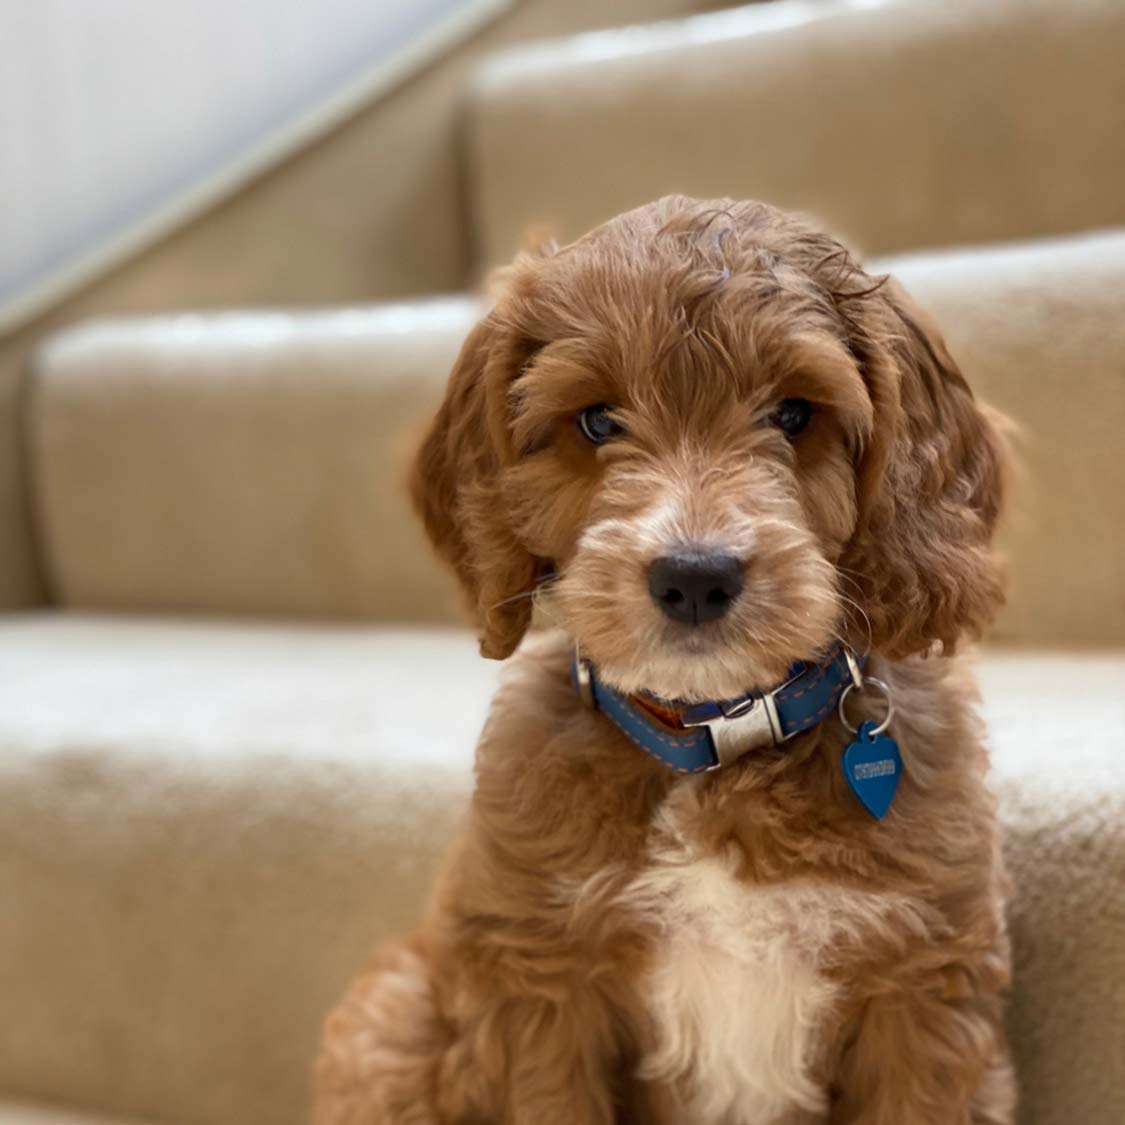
(113, 110)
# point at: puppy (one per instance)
(703, 879)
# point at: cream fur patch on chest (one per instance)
(736, 996)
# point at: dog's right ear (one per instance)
(457, 485)
(931, 486)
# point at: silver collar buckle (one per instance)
(751, 724)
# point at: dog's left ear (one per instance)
(931, 485)
(457, 485)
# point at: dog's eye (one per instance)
(792, 416)
(597, 425)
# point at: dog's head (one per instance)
(714, 444)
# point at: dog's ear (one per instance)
(457, 485)
(931, 484)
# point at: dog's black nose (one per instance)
(696, 586)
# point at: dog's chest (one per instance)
(737, 998)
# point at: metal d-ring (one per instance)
(868, 681)
(854, 669)
(584, 681)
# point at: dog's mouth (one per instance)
(700, 640)
(694, 667)
(645, 653)
(700, 617)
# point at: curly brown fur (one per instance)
(613, 942)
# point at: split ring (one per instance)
(868, 681)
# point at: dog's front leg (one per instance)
(532, 1061)
(920, 1058)
(561, 1068)
(411, 1047)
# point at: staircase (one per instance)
(236, 805)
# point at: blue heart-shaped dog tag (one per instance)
(873, 765)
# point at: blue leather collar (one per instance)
(705, 736)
